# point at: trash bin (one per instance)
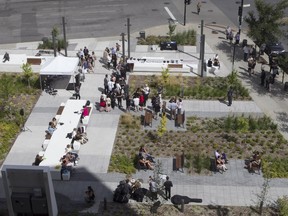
(244, 43)
(142, 34)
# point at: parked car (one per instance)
(274, 48)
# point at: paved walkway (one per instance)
(235, 187)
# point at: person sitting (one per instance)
(255, 161)
(54, 122)
(102, 105)
(51, 128)
(220, 164)
(38, 159)
(6, 57)
(89, 195)
(209, 63)
(85, 112)
(222, 156)
(145, 154)
(145, 163)
(68, 148)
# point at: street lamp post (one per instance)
(240, 14)
(186, 2)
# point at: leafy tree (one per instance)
(27, 72)
(268, 18)
(172, 28)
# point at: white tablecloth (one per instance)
(70, 117)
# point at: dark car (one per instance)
(172, 45)
(274, 48)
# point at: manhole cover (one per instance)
(214, 32)
(210, 10)
(214, 22)
(155, 10)
(166, 3)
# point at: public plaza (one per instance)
(236, 187)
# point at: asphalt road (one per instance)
(31, 20)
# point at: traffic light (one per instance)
(240, 11)
(187, 2)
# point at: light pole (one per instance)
(186, 2)
(240, 14)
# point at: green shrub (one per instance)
(275, 167)
(122, 164)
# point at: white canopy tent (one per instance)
(60, 66)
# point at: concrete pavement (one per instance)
(235, 187)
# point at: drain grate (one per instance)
(166, 3)
(210, 10)
(155, 9)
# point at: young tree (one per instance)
(172, 28)
(27, 72)
(267, 19)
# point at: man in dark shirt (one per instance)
(167, 185)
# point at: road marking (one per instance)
(170, 14)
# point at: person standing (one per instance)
(246, 52)
(146, 91)
(77, 92)
(6, 57)
(198, 7)
(153, 188)
(230, 96)
(106, 80)
(167, 185)
(263, 75)
(237, 38)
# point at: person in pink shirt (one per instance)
(85, 111)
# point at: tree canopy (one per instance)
(265, 23)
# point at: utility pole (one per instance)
(123, 46)
(128, 36)
(186, 2)
(54, 42)
(202, 50)
(64, 35)
(240, 14)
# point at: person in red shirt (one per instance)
(85, 111)
(141, 100)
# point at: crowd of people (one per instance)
(87, 60)
(133, 189)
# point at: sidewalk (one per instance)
(235, 187)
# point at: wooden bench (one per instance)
(85, 120)
(178, 162)
(34, 61)
(180, 119)
(60, 110)
(148, 118)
